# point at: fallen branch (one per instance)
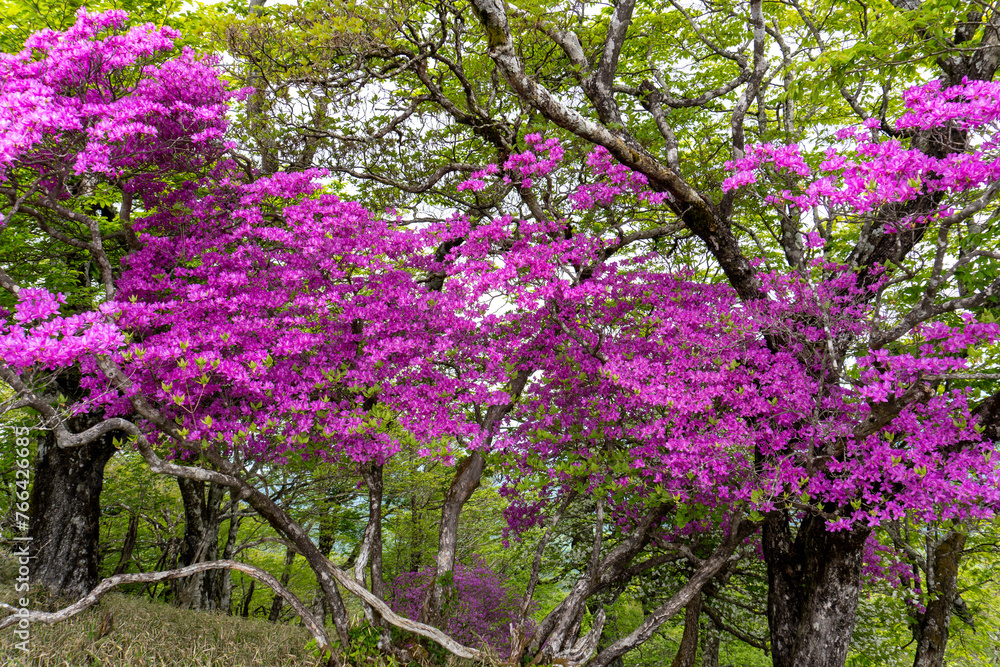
(89, 600)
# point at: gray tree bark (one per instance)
(65, 506)
(813, 587)
(942, 593)
(202, 503)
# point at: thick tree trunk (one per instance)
(65, 514)
(813, 585)
(942, 592)
(467, 477)
(688, 650)
(201, 543)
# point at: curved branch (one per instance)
(315, 627)
(697, 212)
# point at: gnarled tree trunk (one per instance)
(65, 514)
(467, 477)
(813, 585)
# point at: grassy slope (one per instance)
(151, 634)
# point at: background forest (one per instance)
(660, 333)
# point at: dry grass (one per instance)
(147, 634)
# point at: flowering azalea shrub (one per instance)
(482, 606)
(314, 334)
(705, 409)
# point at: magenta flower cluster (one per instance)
(105, 94)
(37, 336)
(868, 172)
(480, 608)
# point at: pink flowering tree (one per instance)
(256, 320)
(316, 336)
(669, 395)
(91, 116)
(671, 112)
(916, 199)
